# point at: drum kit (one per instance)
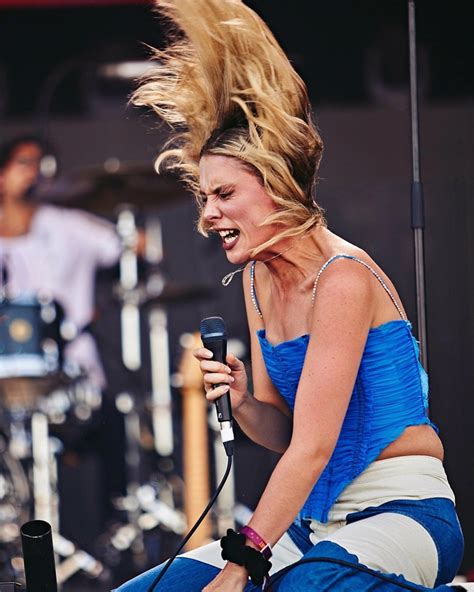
(39, 390)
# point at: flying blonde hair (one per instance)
(225, 86)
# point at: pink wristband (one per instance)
(256, 539)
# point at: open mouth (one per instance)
(229, 236)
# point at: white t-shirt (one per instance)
(59, 257)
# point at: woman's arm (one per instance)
(263, 416)
(341, 320)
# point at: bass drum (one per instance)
(31, 351)
(15, 498)
(30, 337)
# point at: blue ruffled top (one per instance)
(390, 393)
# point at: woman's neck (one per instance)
(298, 259)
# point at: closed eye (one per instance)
(224, 191)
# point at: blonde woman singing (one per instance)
(360, 493)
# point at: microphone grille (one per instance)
(212, 325)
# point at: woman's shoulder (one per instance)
(352, 261)
(342, 275)
(358, 276)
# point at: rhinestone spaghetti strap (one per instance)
(371, 269)
(253, 295)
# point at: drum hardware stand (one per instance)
(129, 291)
(46, 503)
(162, 419)
(132, 296)
(144, 510)
(19, 442)
(160, 382)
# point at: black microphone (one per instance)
(214, 338)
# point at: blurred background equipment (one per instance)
(104, 189)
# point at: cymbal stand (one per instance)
(145, 510)
(159, 346)
(129, 292)
(151, 504)
(128, 535)
(46, 502)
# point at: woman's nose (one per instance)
(211, 211)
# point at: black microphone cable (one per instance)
(153, 585)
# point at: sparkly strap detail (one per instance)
(366, 265)
(253, 294)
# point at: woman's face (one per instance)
(235, 204)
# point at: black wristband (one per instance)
(232, 546)
(236, 551)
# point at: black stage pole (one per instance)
(417, 201)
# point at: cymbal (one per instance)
(101, 189)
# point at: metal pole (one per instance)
(417, 200)
(130, 314)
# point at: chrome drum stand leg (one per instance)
(44, 472)
(130, 536)
(46, 503)
(146, 506)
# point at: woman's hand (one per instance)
(229, 376)
(232, 578)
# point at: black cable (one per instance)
(363, 568)
(196, 525)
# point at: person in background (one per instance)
(359, 494)
(51, 252)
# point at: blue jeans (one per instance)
(436, 515)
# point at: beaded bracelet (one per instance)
(235, 550)
(257, 540)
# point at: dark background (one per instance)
(353, 56)
(327, 41)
